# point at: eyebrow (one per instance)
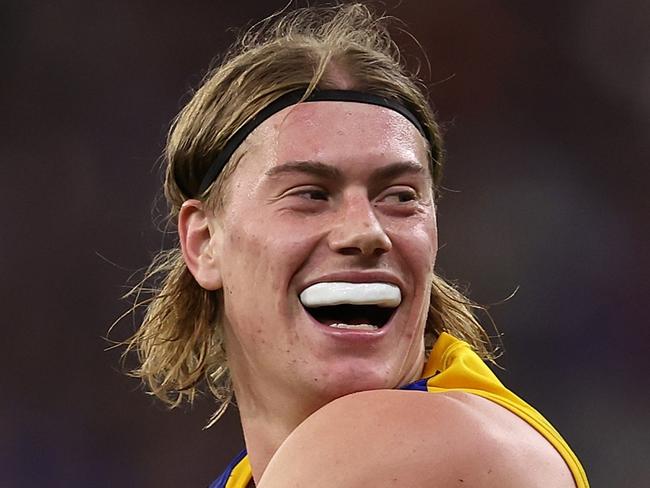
(317, 168)
(399, 168)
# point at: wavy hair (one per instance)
(180, 342)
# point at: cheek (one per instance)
(264, 253)
(419, 243)
(246, 259)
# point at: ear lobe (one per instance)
(200, 240)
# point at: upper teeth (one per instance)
(339, 293)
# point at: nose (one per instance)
(357, 231)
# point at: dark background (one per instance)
(547, 109)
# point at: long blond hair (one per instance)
(180, 341)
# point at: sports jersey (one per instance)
(452, 366)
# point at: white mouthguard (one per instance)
(343, 293)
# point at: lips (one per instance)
(357, 306)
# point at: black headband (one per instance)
(292, 98)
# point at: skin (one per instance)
(447, 440)
(324, 191)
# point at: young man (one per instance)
(303, 175)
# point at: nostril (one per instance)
(380, 250)
(365, 251)
(369, 247)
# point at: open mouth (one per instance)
(358, 317)
(354, 306)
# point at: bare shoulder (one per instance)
(391, 438)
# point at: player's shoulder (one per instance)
(416, 439)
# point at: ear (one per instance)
(201, 238)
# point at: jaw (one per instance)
(312, 359)
(318, 364)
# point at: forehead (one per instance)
(337, 132)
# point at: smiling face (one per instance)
(327, 192)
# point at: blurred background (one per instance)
(546, 107)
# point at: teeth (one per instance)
(354, 326)
(340, 293)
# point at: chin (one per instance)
(352, 376)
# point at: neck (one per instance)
(267, 424)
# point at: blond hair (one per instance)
(180, 341)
